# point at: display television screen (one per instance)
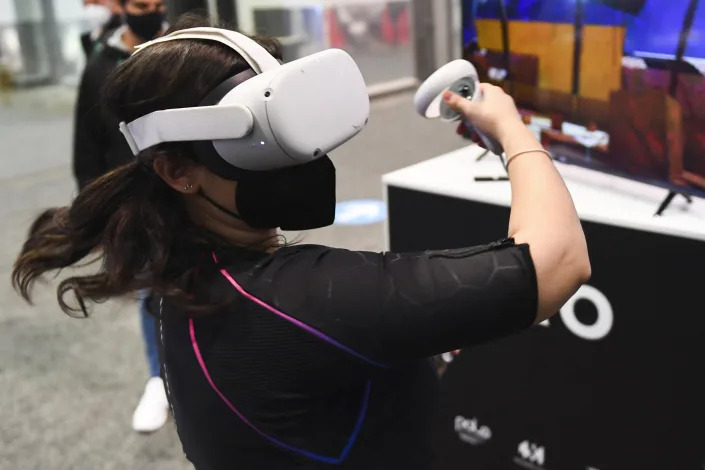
(614, 85)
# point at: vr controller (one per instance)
(459, 77)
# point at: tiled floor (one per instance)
(68, 387)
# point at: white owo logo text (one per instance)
(605, 316)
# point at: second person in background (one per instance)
(99, 147)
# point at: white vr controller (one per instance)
(459, 77)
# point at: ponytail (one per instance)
(131, 222)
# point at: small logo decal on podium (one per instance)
(531, 455)
(470, 431)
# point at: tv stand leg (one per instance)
(667, 201)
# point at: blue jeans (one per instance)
(149, 333)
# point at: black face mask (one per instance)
(145, 26)
(296, 198)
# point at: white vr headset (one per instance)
(273, 116)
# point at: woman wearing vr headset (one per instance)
(278, 356)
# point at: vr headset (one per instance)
(270, 117)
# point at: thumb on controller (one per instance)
(460, 104)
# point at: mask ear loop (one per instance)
(218, 206)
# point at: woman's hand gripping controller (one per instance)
(454, 93)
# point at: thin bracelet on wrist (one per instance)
(512, 157)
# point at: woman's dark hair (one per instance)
(130, 220)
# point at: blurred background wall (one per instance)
(395, 42)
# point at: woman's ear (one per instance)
(181, 174)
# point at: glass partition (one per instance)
(377, 33)
(39, 40)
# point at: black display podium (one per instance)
(616, 381)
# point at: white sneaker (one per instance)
(153, 409)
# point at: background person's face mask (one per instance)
(145, 26)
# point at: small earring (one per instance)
(188, 187)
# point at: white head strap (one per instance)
(255, 55)
(212, 122)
